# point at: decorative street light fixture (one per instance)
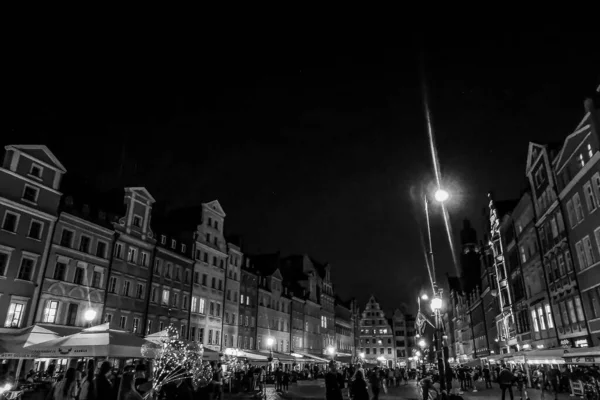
(331, 352)
(441, 195)
(89, 315)
(422, 343)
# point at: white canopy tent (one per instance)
(97, 341)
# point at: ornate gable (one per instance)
(571, 143)
(215, 206)
(141, 192)
(532, 154)
(41, 153)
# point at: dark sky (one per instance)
(311, 146)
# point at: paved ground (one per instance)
(406, 392)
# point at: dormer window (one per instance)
(183, 248)
(581, 160)
(30, 194)
(590, 152)
(36, 171)
(137, 221)
(173, 244)
(163, 239)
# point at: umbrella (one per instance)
(97, 341)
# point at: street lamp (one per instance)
(331, 352)
(425, 297)
(436, 304)
(422, 343)
(441, 195)
(89, 315)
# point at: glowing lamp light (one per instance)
(362, 355)
(422, 343)
(410, 358)
(89, 315)
(330, 350)
(381, 358)
(417, 335)
(436, 303)
(441, 195)
(492, 352)
(424, 297)
(418, 354)
(270, 341)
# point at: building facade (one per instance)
(210, 257)
(232, 298)
(75, 278)
(30, 179)
(248, 309)
(577, 172)
(274, 313)
(376, 335)
(567, 307)
(130, 272)
(344, 333)
(401, 346)
(170, 293)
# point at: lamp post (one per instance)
(436, 302)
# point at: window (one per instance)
(581, 160)
(596, 233)
(218, 314)
(11, 221)
(119, 250)
(96, 279)
(165, 297)
(4, 258)
(183, 248)
(217, 225)
(137, 221)
(535, 321)
(163, 239)
(101, 249)
(145, 259)
(175, 299)
(210, 336)
(168, 270)
(36, 171)
(579, 309)
(187, 277)
(571, 213)
(213, 282)
(554, 228)
(72, 314)
(194, 304)
(590, 198)
(35, 230)
(217, 336)
(26, 270)
(30, 194)
(173, 243)
(125, 290)
(581, 255)
(201, 335)
(132, 255)
(108, 318)
(14, 315)
(161, 326)
(136, 324)
(139, 292)
(78, 278)
(571, 309)
(596, 185)
(204, 278)
(578, 207)
(60, 270)
(541, 317)
(50, 311)
(122, 322)
(214, 261)
(158, 266)
(178, 273)
(589, 253)
(184, 304)
(211, 309)
(202, 307)
(241, 299)
(149, 330)
(112, 284)
(205, 257)
(220, 284)
(590, 152)
(197, 277)
(184, 331)
(153, 294)
(84, 244)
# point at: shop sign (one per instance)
(18, 355)
(566, 343)
(582, 360)
(581, 343)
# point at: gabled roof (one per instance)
(215, 206)
(571, 143)
(265, 264)
(141, 190)
(533, 148)
(40, 152)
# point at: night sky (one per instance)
(311, 146)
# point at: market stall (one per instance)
(583, 364)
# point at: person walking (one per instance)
(506, 379)
(66, 389)
(375, 380)
(487, 376)
(87, 391)
(127, 388)
(333, 390)
(358, 387)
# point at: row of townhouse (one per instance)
(540, 258)
(86, 258)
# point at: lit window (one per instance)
(590, 152)
(165, 297)
(581, 161)
(14, 315)
(201, 310)
(122, 322)
(541, 316)
(50, 311)
(549, 316)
